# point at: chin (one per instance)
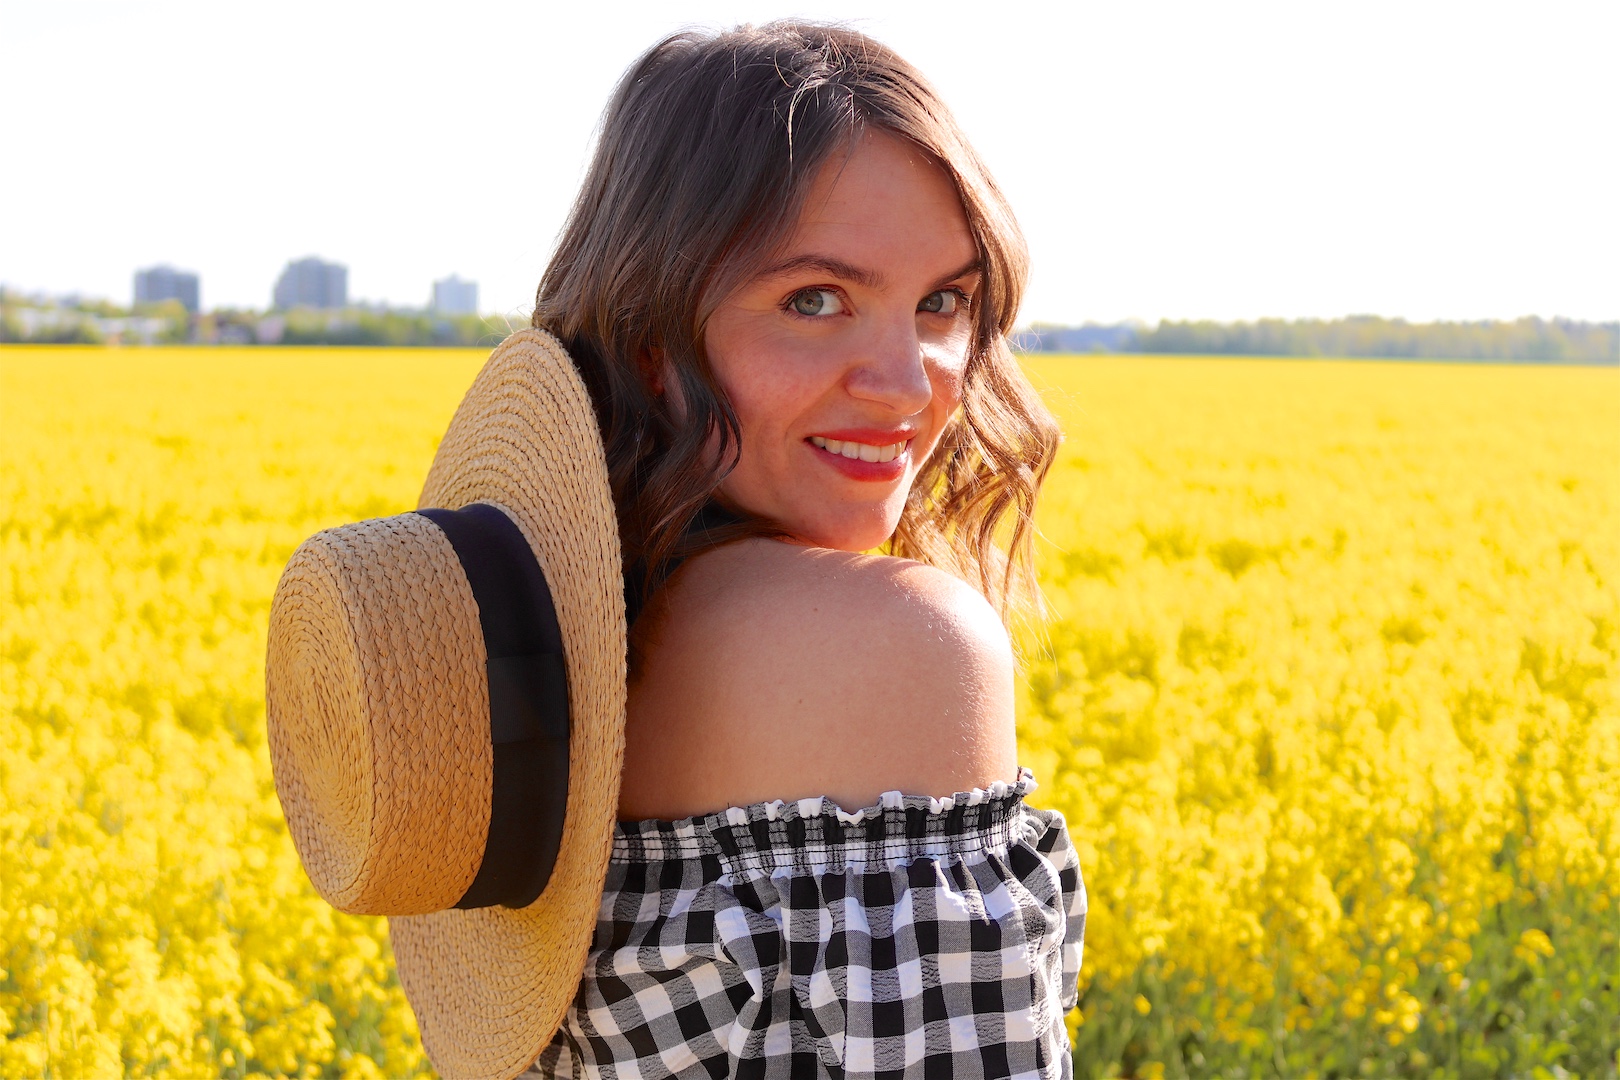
(863, 534)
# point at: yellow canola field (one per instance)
(1328, 694)
(1329, 697)
(153, 915)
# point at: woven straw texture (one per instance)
(490, 986)
(378, 710)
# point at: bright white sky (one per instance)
(1167, 160)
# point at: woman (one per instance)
(787, 283)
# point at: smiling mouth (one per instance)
(857, 451)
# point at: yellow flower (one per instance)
(1533, 946)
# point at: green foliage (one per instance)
(389, 327)
(35, 320)
(1528, 339)
(176, 320)
(15, 328)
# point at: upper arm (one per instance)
(785, 672)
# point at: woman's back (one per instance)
(771, 670)
(824, 864)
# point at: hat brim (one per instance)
(489, 986)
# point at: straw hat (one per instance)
(430, 746)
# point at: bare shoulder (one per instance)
(777, 671)
(787, 605)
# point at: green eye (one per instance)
(813, 302)
(939, 303)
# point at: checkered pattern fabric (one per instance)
(920, 938)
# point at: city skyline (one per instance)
(1167, 161)
(308, 282)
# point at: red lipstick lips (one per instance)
(864, 453)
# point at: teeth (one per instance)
(859, 451)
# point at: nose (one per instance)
(891, 368)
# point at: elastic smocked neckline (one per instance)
(817, 833)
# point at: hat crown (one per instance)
(378, 716)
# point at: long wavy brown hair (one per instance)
(706, 153)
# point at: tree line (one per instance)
(1527, 340)
(40, 320)
(74, 320)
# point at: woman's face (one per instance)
(844, 359)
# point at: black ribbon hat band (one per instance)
(528, 704)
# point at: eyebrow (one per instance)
(846, 271)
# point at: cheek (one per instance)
(734, 365)
(771, 386)
(947, 372)
(760, 405)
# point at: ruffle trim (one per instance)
(817, 833)
(778, 810)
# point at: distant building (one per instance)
(159, 283)
(312, 283)
(452, 296)
(270, 329)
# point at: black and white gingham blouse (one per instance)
(918, 938)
